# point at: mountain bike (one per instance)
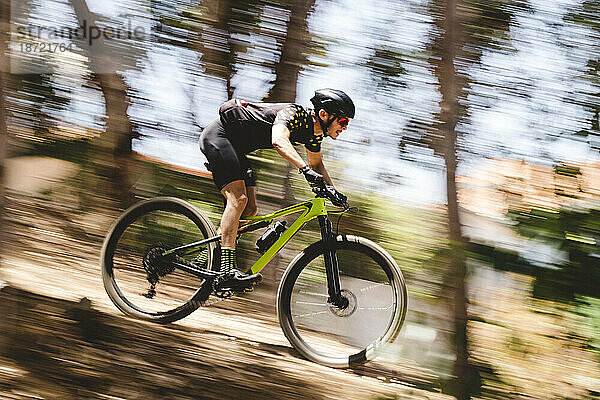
(339, 302)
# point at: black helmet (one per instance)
(334, 102)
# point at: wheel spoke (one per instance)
(377, 308)
(372, 287)
(313, 293)
(310, 314)
(311, 304)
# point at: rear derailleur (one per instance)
(156, 266)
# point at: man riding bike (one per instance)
(243, 127)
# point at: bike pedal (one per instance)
(238, 289)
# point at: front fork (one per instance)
(331, 265)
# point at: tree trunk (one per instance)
(115, 147)
(449, 116)
(4, 71)
(218, 55)
(293, 58)
(118, 134)
(293, 54)
(287, 70)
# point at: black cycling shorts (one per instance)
(224, 161)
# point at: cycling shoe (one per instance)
(236, 280)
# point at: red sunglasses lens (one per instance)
(343, 121)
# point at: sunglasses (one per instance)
(343, 121)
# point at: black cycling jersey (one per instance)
(244, 127)
(249, 125)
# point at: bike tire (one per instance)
(324, 336)
(176, 210)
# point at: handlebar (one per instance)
(321, 190)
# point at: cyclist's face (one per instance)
(337, 126)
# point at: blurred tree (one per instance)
(38, 96)
(466, 30)
(293, 57)
(217, 29)
(4, 71)
(587, 14)
(293, 52)
(116, 143)
(226, 23)
(463, 31)
(445, 48)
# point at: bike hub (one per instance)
(351, 306)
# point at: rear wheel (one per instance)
(131, 259)
(371, 317)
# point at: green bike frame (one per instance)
(310, 210)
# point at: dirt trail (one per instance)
(54, 345)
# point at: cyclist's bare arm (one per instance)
(281, 142)
(315, 162)
(280, 138)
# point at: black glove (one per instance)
(337, 198)
(313, 178)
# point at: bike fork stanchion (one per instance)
(331, 265)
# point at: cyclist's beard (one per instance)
(324, 126)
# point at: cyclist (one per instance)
(243, 127)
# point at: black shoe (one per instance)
(236, 280)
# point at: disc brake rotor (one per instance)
(349, 309)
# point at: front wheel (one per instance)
(336, 336)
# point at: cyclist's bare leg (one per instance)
(237, 199)
(251, 207)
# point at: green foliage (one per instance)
(576, 232)
(516, 344)
(221, 31)
(386, 67)
(487, 24)
(567, 170)
(589, 310)
(394, 397)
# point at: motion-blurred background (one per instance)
(473, 158)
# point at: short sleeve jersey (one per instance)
(249, 125)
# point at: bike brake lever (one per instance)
(319, 191)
